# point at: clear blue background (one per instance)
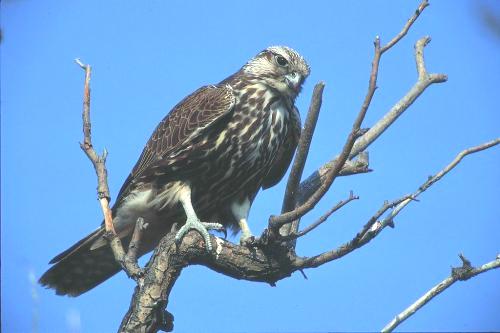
(148, 55)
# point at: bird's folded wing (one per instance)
(187, 120)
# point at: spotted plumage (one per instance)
(205, 161)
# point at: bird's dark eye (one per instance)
(281, 61)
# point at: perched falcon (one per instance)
(205, 161)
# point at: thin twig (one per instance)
(433, 179)
(407, 26)
(127, 261)
(385, 207)
(322, 219)
(99, 162)
(467, 272)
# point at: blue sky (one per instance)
(147, 56)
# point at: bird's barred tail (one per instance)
(79, 269)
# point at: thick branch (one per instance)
(311, 183)
(303, 148)
(240, 262)
(290, 198)
(466, 272)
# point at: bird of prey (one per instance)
(202, 166)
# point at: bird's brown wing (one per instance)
(187, 120)
(285, 154)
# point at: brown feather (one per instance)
(286, 152)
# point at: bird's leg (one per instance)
(246, 237)
(193, 222)
(240, 211)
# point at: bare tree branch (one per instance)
(433, 179)
(323, 218)
(303, 147)
(458, 274)
(375, 218)
(407, 26)
(135, 242)
(373, 227)
(311, 183)
(146, 312)
(349, 151)
(424, 81)
(98, 161)
(290, 198)
(308, 186)
(127, 261)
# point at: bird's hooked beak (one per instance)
(293, 80)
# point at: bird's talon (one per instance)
(201, 227)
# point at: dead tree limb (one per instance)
(463, 273)
(239, 262)
(432, 179)
(374, 225)
(128, 261)
(424, 80)
(98, 161)
(320, 180)
(292, 186)
(272, 262)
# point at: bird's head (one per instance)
(280, 67)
